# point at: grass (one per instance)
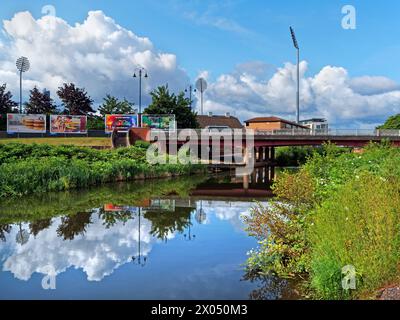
(56, 141)
(40, 168)
(340, 209)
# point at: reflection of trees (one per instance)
(74, 225)
(4, 229)
(165, 222)
(39, 225)
(111, 218)
(271, 287)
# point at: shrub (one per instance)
(359, 226)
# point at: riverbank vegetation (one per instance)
(339, 210)
(26, 169)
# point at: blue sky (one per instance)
(372, 48)
(217, 36)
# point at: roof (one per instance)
(219, 121)
(314, 120)
(273, 119)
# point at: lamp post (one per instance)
(23, 65)
(190, 89)
(139, 73)
(189, 236)
(139, 256)
(296, 45)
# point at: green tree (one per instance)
(76, 101)
(392, 123)
(112, 105)
(40, 103)
(164, 103)
(6, 102)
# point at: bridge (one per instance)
(263, 143)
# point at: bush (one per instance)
(33, 168)
(359, 226)
(340, 209)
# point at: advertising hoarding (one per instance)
(161, 122)
(26, 123)
(68, 124)
(120, 122)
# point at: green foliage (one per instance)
(294, 156)
(7, 104)
(340, 209)
(165, 103)
(358, 226)
(95, 122)
(76, 101)
(26, 169)
(392, 123)
(112, 105)
(39, 103)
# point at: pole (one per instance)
(298, 87)
(140, 91)
(20, 91)
(202, 91)
(190, 96)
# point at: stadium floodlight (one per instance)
(23, 65)
(296, 45)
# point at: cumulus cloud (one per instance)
(97, 54)
(101, 56)
(248, 92)
(99, 251)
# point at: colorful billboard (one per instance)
(26, 123)
(68, 124)
(121, 122)
(161, 122)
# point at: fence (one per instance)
(90, 133)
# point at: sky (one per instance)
(242, 48)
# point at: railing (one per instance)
(330, 133)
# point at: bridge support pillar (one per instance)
(266, 153)
(272, 154)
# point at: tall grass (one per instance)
(341, 209)
(357, 226)
(26, 169)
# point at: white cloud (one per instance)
(331, 93)
(101, 56)
(97, 54)
(99, 251)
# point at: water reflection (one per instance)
(109, 229)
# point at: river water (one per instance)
(168, 239)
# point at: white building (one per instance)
(316, 125)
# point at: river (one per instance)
(167, 239)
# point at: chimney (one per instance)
(210, 114)
(228, 114)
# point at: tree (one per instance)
(164, 102)
(6, 102)
(75, 100)
(112, 105)
(40, 103)
(392, 123)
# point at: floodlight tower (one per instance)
(23, 65)
(296, 45)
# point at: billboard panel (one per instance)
(68, 124)
(120, 122)
(161, 122)
(26, 123)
